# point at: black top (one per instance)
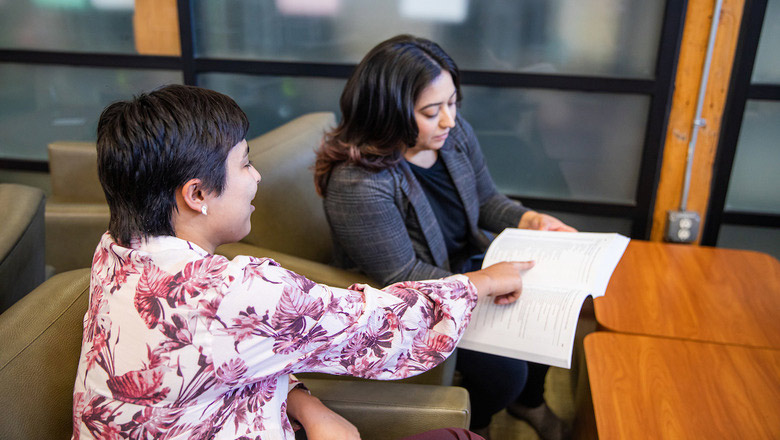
(448, 209)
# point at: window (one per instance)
(45, 103)
(569, 98)
(744, 209)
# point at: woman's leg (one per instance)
(533, 393)
(531, 407)
(493, 382)
(446, 434)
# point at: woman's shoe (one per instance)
(544, 421)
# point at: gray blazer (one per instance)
(382, 224)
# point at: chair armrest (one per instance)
(22, 266)
(39, 355)
(317, 272)
(389, 410)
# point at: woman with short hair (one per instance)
(180, 343)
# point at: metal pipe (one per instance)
(697, 120)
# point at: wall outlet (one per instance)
(682, 226)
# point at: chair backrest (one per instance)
(39, 356)
(289, 217)
(73, 171)
(22, 266)
(76, 213)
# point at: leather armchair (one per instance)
(22, 265)
(76, 213)
(41, 337)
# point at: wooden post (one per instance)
(689, 70)
(156, 27)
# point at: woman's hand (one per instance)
(543, 222)
(319, 422)
(504, 281)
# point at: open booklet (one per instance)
(540, 325)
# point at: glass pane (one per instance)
(767, 67)
(754, 238)
(587, 37)
(68, 25)
(270, 101)
(40, 104)
(561, 145)
(754, 177)
(592, 223)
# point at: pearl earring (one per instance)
(204, 210)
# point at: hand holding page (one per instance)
(540, 326)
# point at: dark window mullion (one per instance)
(764, 91)
(81, 59)
(24, 165)
(275, 68)
(187, 42)
(600, 209)
(658, 117)
(745, 218)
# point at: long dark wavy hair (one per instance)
(151, 145)
(377, 105)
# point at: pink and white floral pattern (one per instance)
(182, 344)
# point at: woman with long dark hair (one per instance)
(408, 195)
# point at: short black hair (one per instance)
(151, 145)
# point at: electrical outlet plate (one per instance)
(682, 226)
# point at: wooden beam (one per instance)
(156, 27)
(690, 66)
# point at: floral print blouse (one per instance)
(181, 344)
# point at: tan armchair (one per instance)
(21, 242)
(39, 355)
(288, 224)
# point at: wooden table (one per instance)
(656, 388)
(697, 293)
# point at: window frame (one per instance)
(741, 89)
(659, 89)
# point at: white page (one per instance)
(540, 326)
(577, 260)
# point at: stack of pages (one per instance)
(540, 326)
